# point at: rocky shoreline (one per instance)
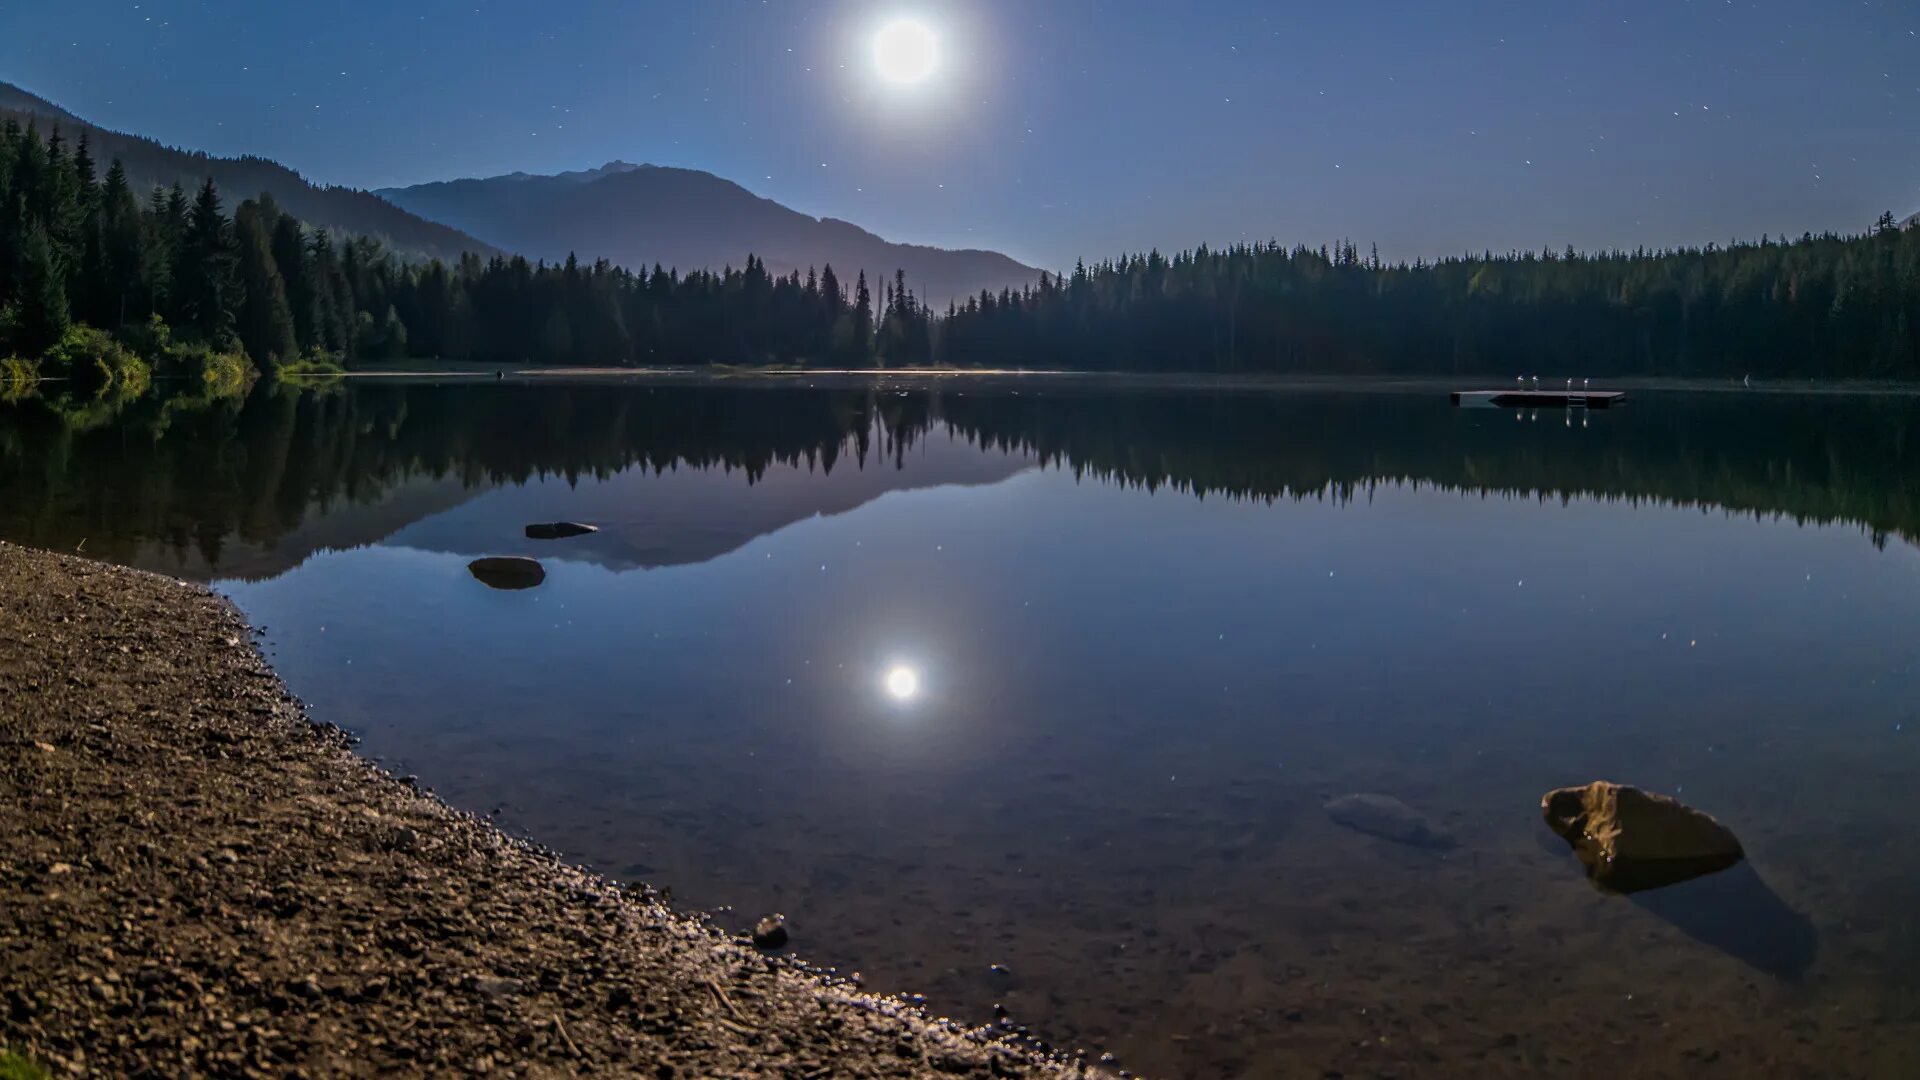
(196, 879)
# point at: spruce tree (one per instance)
(123, 243)
(862, 346)
(38, 317)
(265, 322)
(204, 270)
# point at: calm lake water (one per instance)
(1153, 633)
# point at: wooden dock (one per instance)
(1539, 399)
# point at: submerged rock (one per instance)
(1389, 819)
(771, 932)
(559, 530)
(1630, 839)
(508, 572)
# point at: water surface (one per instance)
(1153, 633)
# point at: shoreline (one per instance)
(993, 378)
(197, 879)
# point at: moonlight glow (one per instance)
(906, 51)
(902, 683)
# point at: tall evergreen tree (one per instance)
(204, 271)
(265, 321)
(37, 318)
(123, 249)
(860, 349)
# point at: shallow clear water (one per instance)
(1153, 633)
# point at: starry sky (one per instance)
(1057, 129)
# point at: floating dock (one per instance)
(1539, 399)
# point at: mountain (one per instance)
(640, 215)
(150, 164)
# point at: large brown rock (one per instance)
(1632, 840)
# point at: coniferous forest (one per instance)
(103, 283)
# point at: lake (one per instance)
(1033, 693)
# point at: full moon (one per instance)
(906, 51)
(902, 683)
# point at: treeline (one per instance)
(85, 250)
(97, 281)
(1826, 306)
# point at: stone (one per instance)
(559, 530)
(508, 572)
(495, 987)
(1389, 819)
(771, 932)
(1631, 840)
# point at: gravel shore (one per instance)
(197, 880)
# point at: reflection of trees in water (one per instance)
(1811, 459)
(188, 475)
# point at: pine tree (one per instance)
(166, 227)
(204, 269)
(123, 248)
(861, 349)
(289, 245)
(38, 317)
(265, 321)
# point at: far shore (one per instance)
(918, 378)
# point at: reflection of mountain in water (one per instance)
(251, 488)
(686, 516)
(339, 528)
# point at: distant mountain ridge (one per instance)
(641, 215)
(150, 164)
(633, 215)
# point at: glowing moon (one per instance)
(902, 683)
(906, 51)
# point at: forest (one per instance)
(109, 286)
(97, 281)
(1818, 306)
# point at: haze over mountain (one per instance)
(640, 215)
(150, 164)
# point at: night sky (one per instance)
(1053, 130)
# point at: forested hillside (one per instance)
(182, 284)
(180, 280)
(344, 210)
(646, 215)
(1828, 306)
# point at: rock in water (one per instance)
(1631, 840)
(1389, 819)
(559, 530)
(508, 572)
(771, 932)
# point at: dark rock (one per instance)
(508, 572)
(559, 530)
(771, 932)
(1389, 819)
(1630, 840)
